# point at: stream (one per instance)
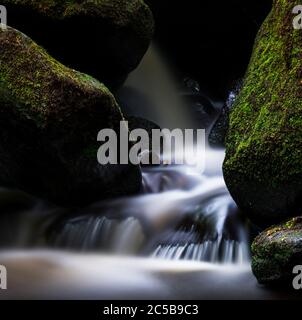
(183, 236)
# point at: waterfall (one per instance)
(113, 235)
(181, 214)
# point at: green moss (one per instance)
(33, 87)
(91, 31)
(50, 118)
(276, 250)
(264, 143)
(269, 109)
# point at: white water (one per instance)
(155, 223)
(183, 214)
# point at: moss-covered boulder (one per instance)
(104, 38)
(49, 119)
(263, 168)
(276, 252)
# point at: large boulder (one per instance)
(263, 168)
(276, 252)
(49, 119)
(104, 38)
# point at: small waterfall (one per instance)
(226, 251)
(211, 230)
(181, 214)
(100, 233)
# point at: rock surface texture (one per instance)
(277, 251)
(263, 168)
(50, 116)
(104, 38)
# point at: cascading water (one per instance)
(182, 213)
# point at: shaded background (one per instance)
(210, 41)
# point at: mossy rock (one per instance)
(104, 38)
(276, 251)
(49, 118)
(263, 168)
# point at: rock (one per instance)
(262, 168)
(201, 108)
(50, 117)
(141, 123)
(220, 128)
(105, 39)
(191, 85)
(219, 131)
(277, 251)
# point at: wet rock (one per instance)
(277, 251)
(141, 123)
(191, 85)
(50, 116)
(106, 39)
(201, 108)
(147, 156)
(262, 168)
(220, 128)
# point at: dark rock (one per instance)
(200, 107)
(141, 123)
(50, 117)
(221, 126)
(106, 39)
(277, 251)
(191, 85)
(262, 168)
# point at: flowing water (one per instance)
(181, 214)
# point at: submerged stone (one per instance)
(50, 116)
